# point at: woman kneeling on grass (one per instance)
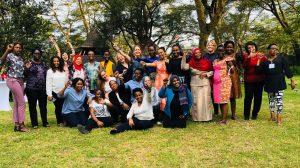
(140, 114)
(179, 102)
(73, 108)
(100, 116)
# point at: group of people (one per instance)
(139, 91)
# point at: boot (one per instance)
(272, 118)
(23, 128)
(279, 119)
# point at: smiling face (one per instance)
(79, 85)
(137, 51)
(17, 49)
(198, 54)
(98, 94)
(138, 96)
(221, 52)
(137, 74)
(229, 49)
(104, 75)
(56, 62)
(147, 82)
(151, 51)
(210, 47)
(78, 61)
(176, 51)
(65, 57)
(91, 56)
(120, 58)
(161, 54)
(106, 55)
(176, 83)
(113, 85)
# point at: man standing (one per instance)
(107, 65)
(92, 68)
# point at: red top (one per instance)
(249, 64)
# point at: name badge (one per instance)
(271, 66)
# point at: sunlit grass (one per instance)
(242, 143)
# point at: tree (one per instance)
(24, 21)
(277, 8)
(142, 21)
(208, 12)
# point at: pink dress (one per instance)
(161, 74)
(222, 82)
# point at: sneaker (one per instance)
(82, 129)
(46, 125)
(158, 123)
(114, 131)
(35, 127)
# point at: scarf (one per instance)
(200, 64)
(181, 91)
(78, 67)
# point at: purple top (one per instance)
(36, 76)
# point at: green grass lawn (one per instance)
(242, 143)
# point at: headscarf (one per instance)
(78, 67)
(199, 64)
(181, 90)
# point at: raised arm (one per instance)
(121, 52)
(51, 38)
(184, 65)
(8, 50)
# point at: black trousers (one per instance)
(138, 125)
(33, 96)
(157, 113)
(73, 119)
(173, 123)
(58, 103)
(108, 121)
(252, 91)
(117, 111)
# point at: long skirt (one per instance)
(201, 109)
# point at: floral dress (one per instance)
(222, 82)
(161, 74)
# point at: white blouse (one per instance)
(55, 81)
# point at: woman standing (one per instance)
(161, 72)
(15, 72)
(275, 68)
(211, 55)
(35, 73)
(55, 82)
(222, 82)
(174, 65)
(155, 100)
(201, 71)
(140, 114)
(179, 102)
(79, 71)
(234, 75)
(254, 80)
(73, 108)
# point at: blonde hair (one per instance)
(213, 42)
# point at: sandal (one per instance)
(222, 122)
(22, 128)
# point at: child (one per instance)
(100, 116)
